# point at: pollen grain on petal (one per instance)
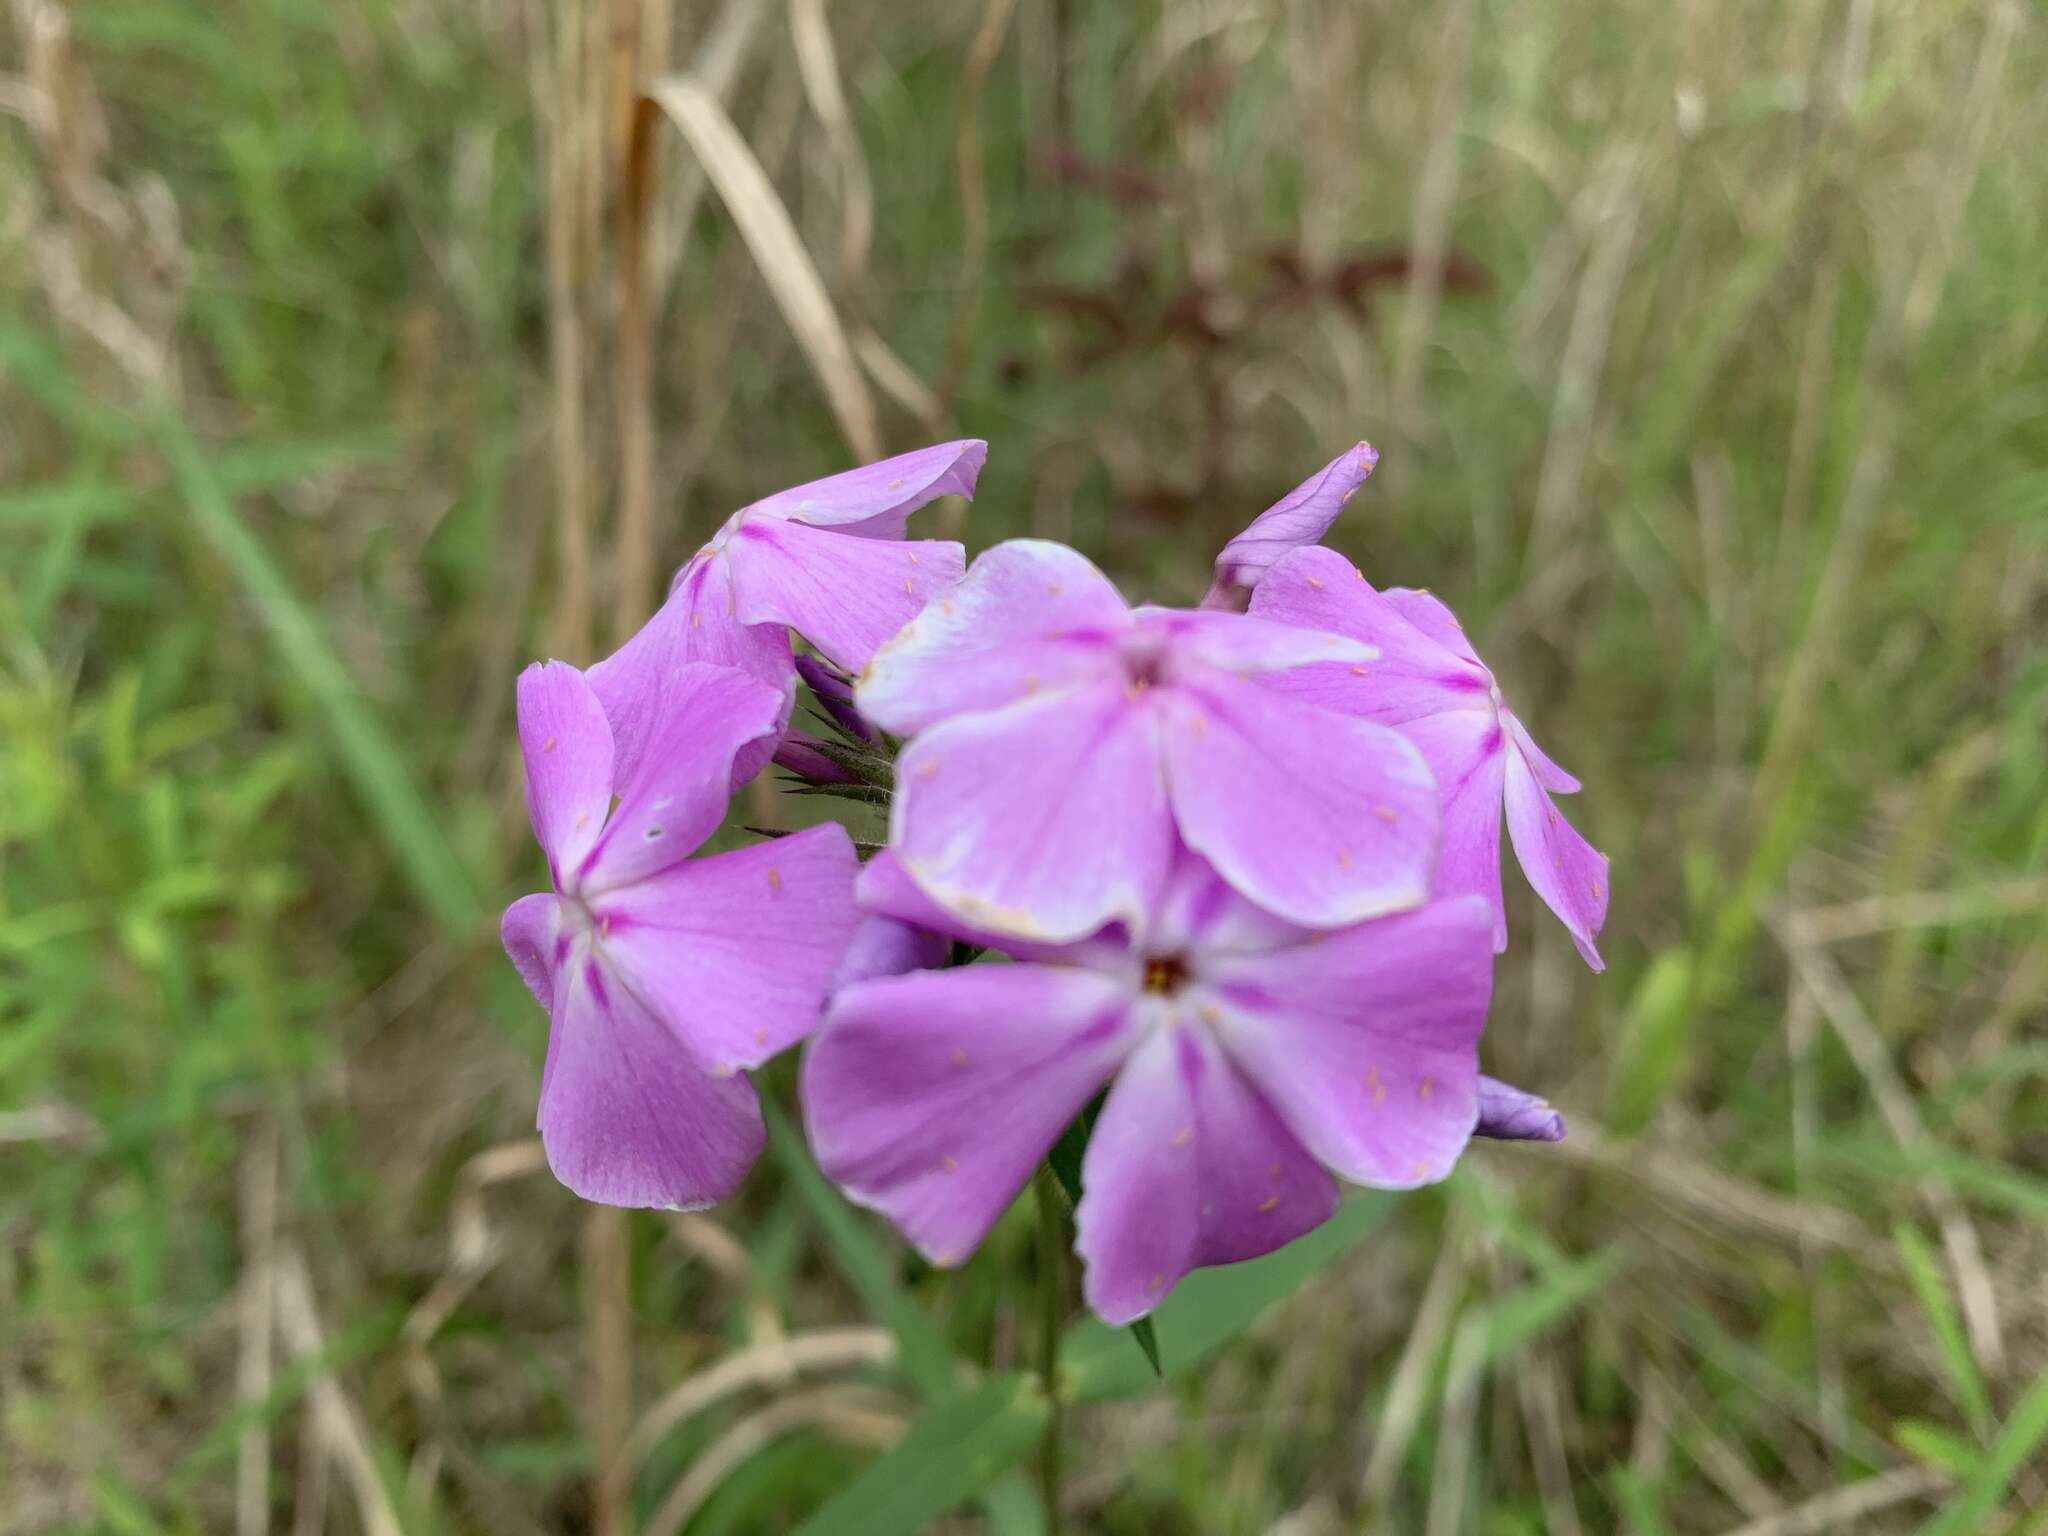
(1385, 813)
(959, 1059)
(1314, 582)
(928, 769)
(1343, 858)
(1184, 1136)
(913, 556)
(582, 820)
(1426, 1089)
(696, 621)
(549, 746)
(1274, 1172)
(909, 587)
(1374, 1086)
(948, 1163)
(1156, 1283)
(760, 1037)
(774, 878)
(1360, 672)
(1272, 1202)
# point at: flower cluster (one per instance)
(1231, 876)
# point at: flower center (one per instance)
(1164, 974)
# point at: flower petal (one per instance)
(887, 946)
(677, 793)
(1365, 1042)
(931, 1097)
(844, 594)
(568, 750)
(1548, 774)
(530, 931)
(886, 888)
(1043, 821)
(1508, 1114)
(1187, 1166)
(1467, 756)
(1300, 517)
(1243, 644)
(1320, 818)
(1430, 614)
(1568, 872)
(875, 500)
(1414, 675)
(626, 1117)
(736, 952)
(1029, 617)
(697, 623)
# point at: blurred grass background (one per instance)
(352, 355)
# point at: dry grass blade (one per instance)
(780, 1360)
(780, 256)
(870, 1420)
(1542, 1403)
(1455, 1429)
(1820, 976)
(1916, 909)
(818, 63)
(1840, 1509)
(1412, 1376)
(336, 1424)
(256, 1310)
(608, 1340)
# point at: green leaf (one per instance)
(383, 777)
(1954, 1345)
(926, 1359)
(959, 1447)
(1942, 1449)
(1534, 1310)
(1211, 1307)
(1970, 1510)
(1065, 1162)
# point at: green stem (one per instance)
(1052, 1295)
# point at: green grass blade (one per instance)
(1954, 1345)
(382, 776)
(1211, 1307)
(959, 1447)
(1970, 1510)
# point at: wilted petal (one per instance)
(1413, 675)
(1300, 517)
(626, 1116)
(736, 952)
(697, 623)
(931, 1097)
(1030, 617)
(887, 946)
(875, 500)
(568, 750)
(677, 793)
(1466, 753)
(1509, 1114)
(845, 595)
(1320, 818)
(1548, 774)
(1044, 821)
(1568, 872)
(530, 931)
(1186, 1166)
(1365, 1042)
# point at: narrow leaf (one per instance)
(2016, 1445)
(1949, 1337)
(1212, 1306)
(382, 776)
(957, 1448)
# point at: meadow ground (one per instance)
(352, 355)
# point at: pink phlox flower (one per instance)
(1064, 744)
(664, 976)
(828, 560)
(1248, 1060)
(1430, 685)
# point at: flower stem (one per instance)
(1052, 1295)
